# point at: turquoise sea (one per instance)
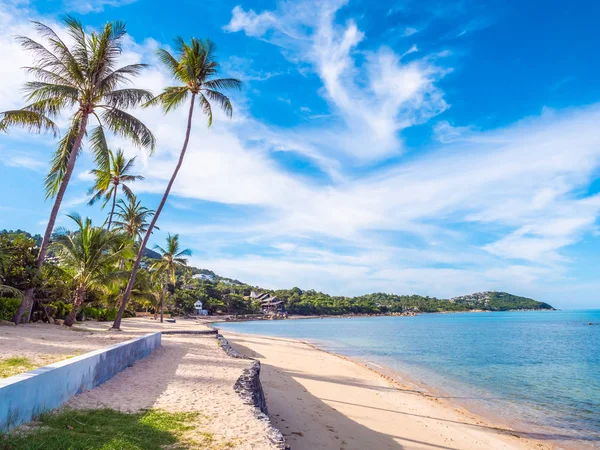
(536, 371)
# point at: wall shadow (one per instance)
(308, 423)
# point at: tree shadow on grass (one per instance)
(104, 429)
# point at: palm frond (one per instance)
(69, 62)
(38, 91)
(206, 108)
(124, 124)
(223, 83)
(220, 99)
(60, 159)
(99, 147)
(127, 98)
(42, 56)
(120, 76)
(31, 121)
(77, 33)
(171, 98)
(172, 64)
(48, 76)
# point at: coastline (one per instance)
(261, 317)
(359, 404)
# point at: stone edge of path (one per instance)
(249, 388)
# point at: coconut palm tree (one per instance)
(109, 178)
(196, 69)
(89, 258)
(132, 218)
(83, 77)
(164, 269)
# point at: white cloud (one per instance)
(253, 24)
(25, 162)
(375, 101)
(89, 6)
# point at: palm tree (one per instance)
(89, 258)
(195, 68)
(132, 218)
(109, 178)
(164, 269)
(83, 78)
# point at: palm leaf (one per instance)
(31, 121)
(124, 124)
(60, 159)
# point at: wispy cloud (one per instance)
(94, 6)
(375, 100)
(25, 162)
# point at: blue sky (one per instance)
(431, 147)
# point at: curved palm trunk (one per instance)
(27, 302)
(78, 298)
(112, 210)
(136, 264)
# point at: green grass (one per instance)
(14, 366)
(107, 429)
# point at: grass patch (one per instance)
(107, 429)
(18, 364)
(15, 365)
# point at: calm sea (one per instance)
(537, 371)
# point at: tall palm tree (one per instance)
(195, 68)
(84, 78)
(132, 218)
(164, 269)
(89, 258)
(109, 178)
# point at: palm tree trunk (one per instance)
(112, 210)
(162, 304)
(78, 298)
(136, 264)
(27, 302)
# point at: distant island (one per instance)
(226, 295)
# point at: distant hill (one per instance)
(216, 289)
(498, 301)
(149, 253)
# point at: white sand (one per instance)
(323, 401)
(188, 373)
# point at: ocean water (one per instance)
(538, 372)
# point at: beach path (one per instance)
(322, 401)
(189, 372)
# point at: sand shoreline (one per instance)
(375, 408)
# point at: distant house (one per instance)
(268, 304)
(204, 277)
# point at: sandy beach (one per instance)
(322, 401)
(187, 373)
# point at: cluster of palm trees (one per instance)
(84, 77)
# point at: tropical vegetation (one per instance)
(83, 77)
(108, 180)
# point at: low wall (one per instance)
(24, 396)
(250, 389)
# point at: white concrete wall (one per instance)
(24, 396)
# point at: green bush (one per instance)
(8, 307)
(62, 309)
(103, 314)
